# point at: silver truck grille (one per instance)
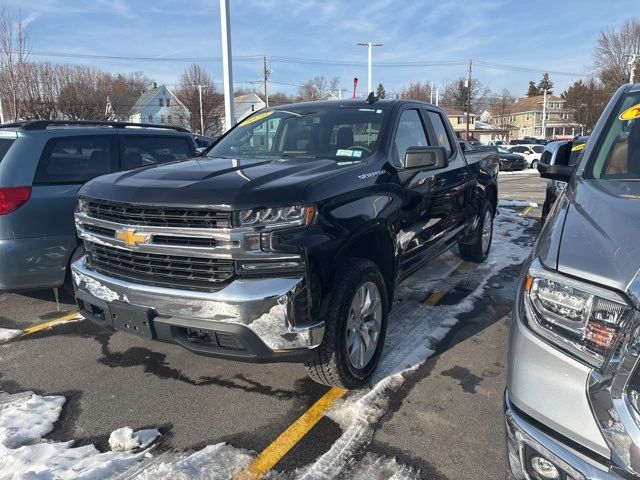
(156, 216)
(186, 272)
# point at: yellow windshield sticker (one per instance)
(255, 118)
(577, 148)
(631, 113)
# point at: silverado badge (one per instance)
(131, 238)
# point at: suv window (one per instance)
(5, 145)
(140, 151)
(519, 150)
(70, 160)
(410, 133)
(441, 131)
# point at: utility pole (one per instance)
(227, 76)
(544, 113)
(469, 98)
(201, 114)
(437, 96)
(266, 72)
(370, 46)
(431, 96)
(632, 64)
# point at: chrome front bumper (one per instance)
(259, 308)
(525, 438)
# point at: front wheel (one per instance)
(478, 249)
(355, 327)
(534, 164)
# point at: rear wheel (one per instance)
(534, 164)
(478, 249)
(355, 327)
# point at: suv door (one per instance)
(144, 150)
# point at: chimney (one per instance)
(155, 85)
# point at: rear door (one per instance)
(144, 150)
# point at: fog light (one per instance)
(544, 469)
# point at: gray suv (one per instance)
(43, 164)
(573, 392)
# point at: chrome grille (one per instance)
(156, 216)
(190, 272)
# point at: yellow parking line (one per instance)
(434, 298)
(291, 436)
(525, 211)
(51, 323)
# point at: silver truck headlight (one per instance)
(294, 215)
(584, 319)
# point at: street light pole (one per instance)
(544, 114)
(201, 114)
(370, 46)
(227, 76)
(632, 64)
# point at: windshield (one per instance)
(337, 132)
(619, 154)
(502, 150)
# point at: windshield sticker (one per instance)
(255, 118)
(631, 113)
(577, 148)
(343, 152)
(356, 153)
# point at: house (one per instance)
(524, 118)
(458, 119)
(158, 105)
(329, 96)
(245, 105)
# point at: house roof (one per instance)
(245, 99)
(454, 112)
(121, 105)
(147, 96)
(530, 104)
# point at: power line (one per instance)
(145, 59)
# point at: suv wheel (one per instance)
(478, 249)
(534, 164)
(355, 327)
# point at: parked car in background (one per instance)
(572, 402)
(508, 161)
(43, 164)
(550, 157)
(287, 240)
(531, 153)
(497, 142)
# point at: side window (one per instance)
(441, 131)
(71, 160)
(410, 133)
(141, 151)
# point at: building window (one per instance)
(169, 120)
(162, 119)
(253, 108)
(167, 102)
(161, 102)
(546, 116)
(150, 118)
(181, 118)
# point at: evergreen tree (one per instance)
(545, 84)
(533, 90)
(381, 92)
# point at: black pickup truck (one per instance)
(285, 241)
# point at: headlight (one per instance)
(576, 316)
(295, 215)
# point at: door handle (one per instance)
(463, 175)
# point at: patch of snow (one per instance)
(125, 439)
(380, 468)
(8, 334)
(97, 289)
(26, 417)
(516, 203)
(413, 333)
(529, 171)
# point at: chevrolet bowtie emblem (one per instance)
(131, 238)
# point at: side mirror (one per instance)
(200, 151)
(562, 173)
(426, 158)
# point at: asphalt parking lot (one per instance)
(441, 420)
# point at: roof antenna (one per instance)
(371, 99)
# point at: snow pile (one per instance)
(8, 334)
(516, 203)
(530, 171)
(380, 468)
(125, 439)
(413, 333)
(26, 417)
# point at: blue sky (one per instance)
(547, 35)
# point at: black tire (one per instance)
(534, 164)
(330, 364)
(474, 250)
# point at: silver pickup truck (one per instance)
(573, 393)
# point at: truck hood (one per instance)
(223, 182)
(600, 237)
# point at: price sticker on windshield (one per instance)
(631, 113)
(255, 118)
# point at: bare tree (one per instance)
(417, 91)
(587, 99)
(39, 90)
(501, 114)
(279, 98)
(612, 53)
(14, 52)
(316, 88)
(456, 94)
(212, 100)
(83, 92)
